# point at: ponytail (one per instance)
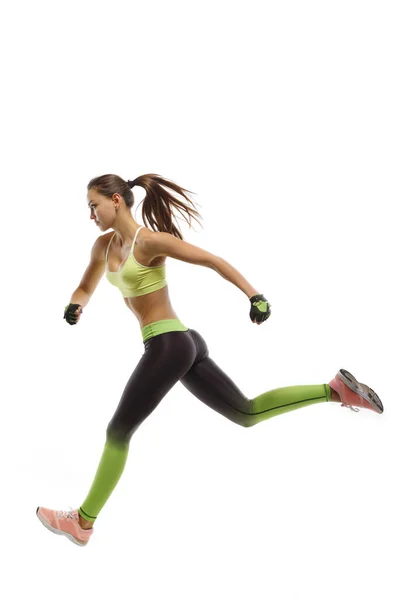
(158, 203)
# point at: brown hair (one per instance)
(157, 203)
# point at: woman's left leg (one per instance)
(208, 382)
(166, 359)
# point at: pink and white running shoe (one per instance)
(353, 393)
(64, 523)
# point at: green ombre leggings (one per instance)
(175, 353)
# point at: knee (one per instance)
(248, 419)
(244, 419)
(119, 434)
(114, 435)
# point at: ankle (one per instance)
(85, 524)
(335, 396)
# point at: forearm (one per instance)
(227, 271)
(80, 297)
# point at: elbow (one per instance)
(214, 262)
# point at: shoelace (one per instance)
(67, 514)
(351, 407)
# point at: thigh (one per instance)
(208, 382)
(166, 359)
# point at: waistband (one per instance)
(164, 326)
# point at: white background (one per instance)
(283, 119)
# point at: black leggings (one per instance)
(182, 356)
(168, 358)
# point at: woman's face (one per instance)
(101, 209)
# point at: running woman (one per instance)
(133, 258)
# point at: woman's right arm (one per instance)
(93, 273)
(80, 297)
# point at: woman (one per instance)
(133, 258)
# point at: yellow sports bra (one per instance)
(134, 279)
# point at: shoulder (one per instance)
(100, 245)
(145, 233)
(145, 238)
(153, 241)
(165, 244)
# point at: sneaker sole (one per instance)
(360, 388)
(57, 531)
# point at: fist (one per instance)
(260, 309)
(72, 313)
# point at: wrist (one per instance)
(253, 293)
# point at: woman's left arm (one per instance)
(227, 271)
(165, 244)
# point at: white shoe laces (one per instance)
(351, 407)
(67, 514)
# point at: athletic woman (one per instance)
(133, 258)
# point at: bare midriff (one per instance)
(152, 307)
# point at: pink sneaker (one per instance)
(352, 393)
(64, 523)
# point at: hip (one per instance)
(162, 326)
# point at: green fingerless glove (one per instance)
(260, 308)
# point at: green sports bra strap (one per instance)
(108, 247)
(134, 239)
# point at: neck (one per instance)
(125, 234)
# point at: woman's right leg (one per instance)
(166, 359)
